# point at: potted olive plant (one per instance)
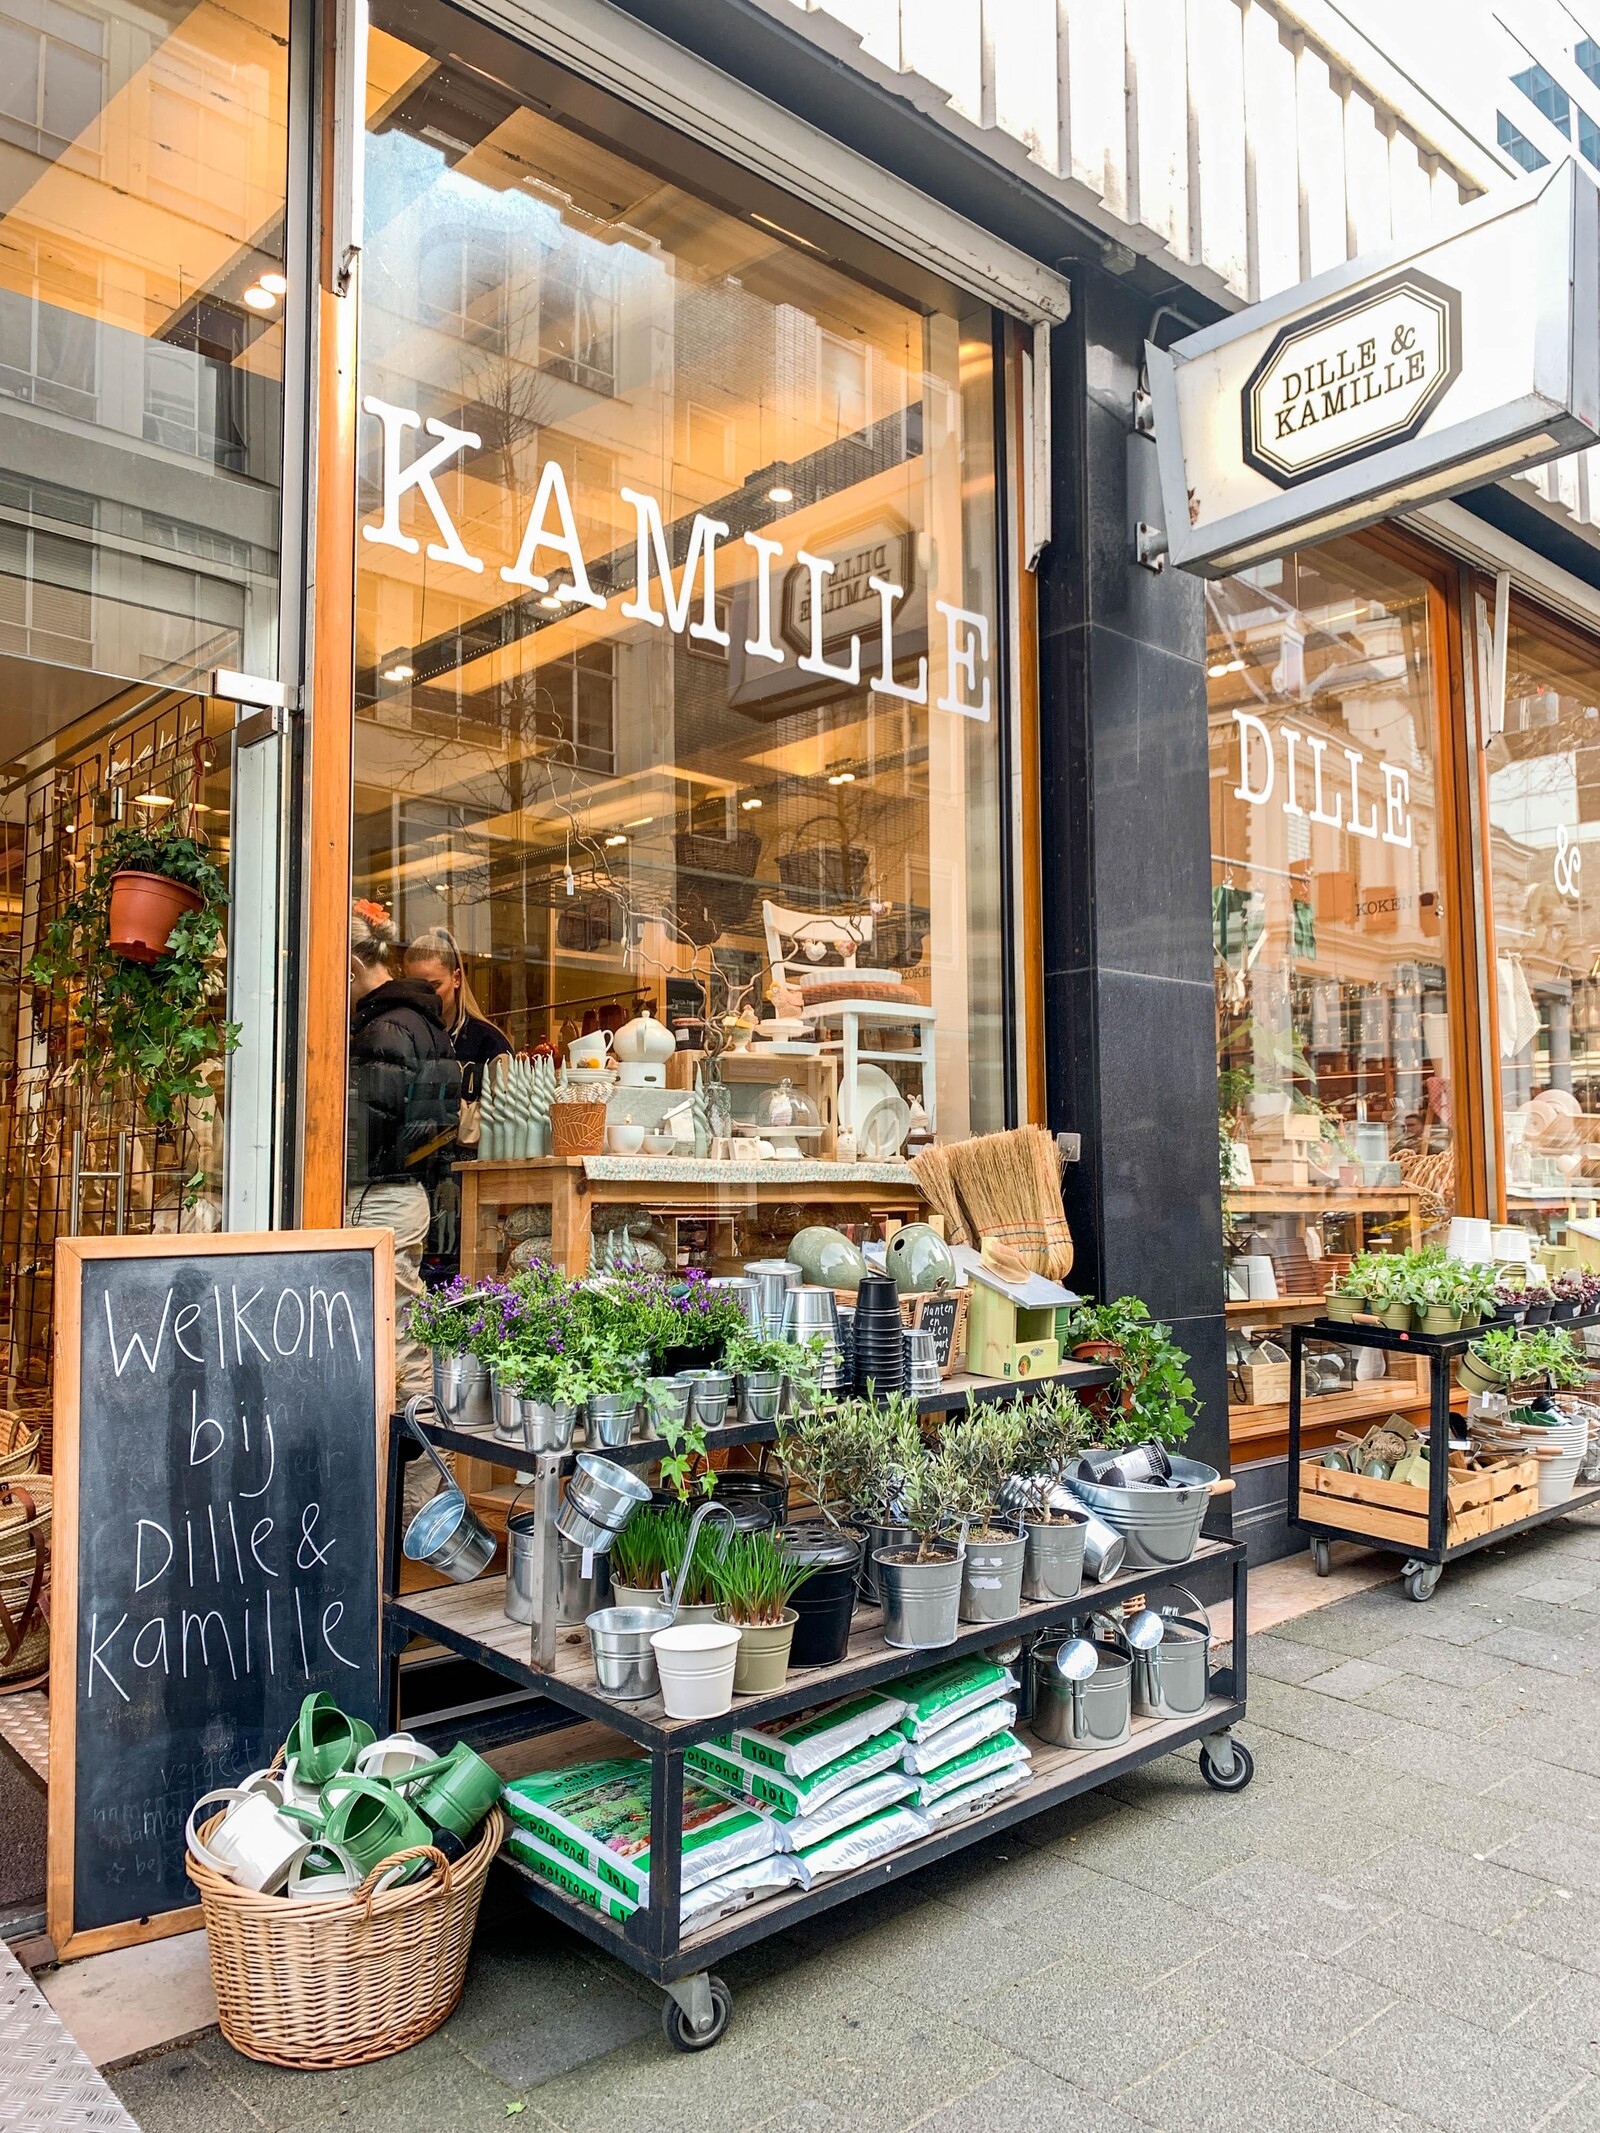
(988, 1445)
(921, 1581)
(753, 1580)
(1055, 1429)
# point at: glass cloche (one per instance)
(787, 1118)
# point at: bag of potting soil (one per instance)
(921, 1756)
(798, 1746)
(787, 1797)
(998, 1754)
(873, 1839)
(569, 1879)
(745, 1885)
(969, 1799)
(845, 1809)
(597, 1815)
(948, 1692)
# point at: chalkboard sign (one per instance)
(220, 1405)
(945, 1317)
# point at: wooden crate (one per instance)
(1398, 1511)
(1265, 1384)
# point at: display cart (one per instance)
(553, 1665)
(1451, 1529)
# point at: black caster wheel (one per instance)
(1244, 1769)
(1424, 1583)
(682, 2036)
(1321, 1558)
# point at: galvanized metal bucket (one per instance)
(1052, 1564)
(578, 1591)
(462, 1391)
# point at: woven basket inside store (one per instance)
(577, 1129)
(20, 1440)
(26, 1504)
(339, 1980)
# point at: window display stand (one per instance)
(469, 1620)
(1373, 1526)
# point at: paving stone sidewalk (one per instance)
(1397, 1927)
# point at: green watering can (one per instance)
(324, 1741)
(453, 1794)
(363, 1820)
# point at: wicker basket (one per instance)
(330, 1981)
(577, 1129)
(26, 1504)
(19, 1445)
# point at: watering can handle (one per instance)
(1200, 1613)
(703, 1512)
(423, 1399)
(197, 1844)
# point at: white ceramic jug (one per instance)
(644, 1040)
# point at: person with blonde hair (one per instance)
(401, 1119)
(435, 957)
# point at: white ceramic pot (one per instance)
(590, 1051)
(696, 1661)
(644, 1040)
(625, 1139)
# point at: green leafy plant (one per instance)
(939, 1494)
(1056, 1427)
(989, 1447)
(685, 1468)
(1152, 1383)
(651, 1545)
(551, 1375)
(1526, 1355)
(837, 1452)
(753, 1579)
(155, 1026)
(610, 1374)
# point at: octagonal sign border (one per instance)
(1448, 301)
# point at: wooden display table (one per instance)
(573, 1186)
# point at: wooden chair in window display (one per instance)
(801, 948)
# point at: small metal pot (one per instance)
(535, 1425)
(774, 1278)
(710, 1392)
(449, 1537)
(462, 1390)
(760, 1395)
(624, 1659)
(667, 1401)
(577, 1595)
(879, 1537)
(921, 1601)
(1052, 1564)
(745, 1291)
(612, 1417)
(601, 1497)
(1097, 1713)
(991, 1579)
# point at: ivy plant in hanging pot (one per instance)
(146, 990)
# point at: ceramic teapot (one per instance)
(644, 1041)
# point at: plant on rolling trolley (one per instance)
(938, 1497)
(989, 1446)
(1055, 1429)
(753, 1580)
(656, 1538)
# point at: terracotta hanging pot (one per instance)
(142, 912)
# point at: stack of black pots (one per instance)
(879, 1350)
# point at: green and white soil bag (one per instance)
(950, 1691)
(788, 1797)
(597, 1816)
(845, 1809)
(972, 1799)
(873, 1839)
(745, 1885)
(921, 1756)
(571, 1880)
(800, 1746)
(991, 1761)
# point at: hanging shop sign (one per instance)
(1403, 376)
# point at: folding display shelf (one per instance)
(1423, 1565)
(469, 1620)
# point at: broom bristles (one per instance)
(1006, 1186)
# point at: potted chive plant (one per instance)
(656, 1536)
(753, 1580)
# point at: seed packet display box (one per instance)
(1455, 1515)
(469, 1621)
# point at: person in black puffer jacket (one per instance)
(403, 1110)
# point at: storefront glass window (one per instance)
(142, 297)
(1544, 818)
(678, 640)
(1328, 934)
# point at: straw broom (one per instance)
(1004, 1187)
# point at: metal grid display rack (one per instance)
(1423, 1566)
(469, 1621)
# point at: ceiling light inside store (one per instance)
(748, 805)
(153, 799)
(1230, 666)
(260, 299)
(617, 839)
(843, 777)
(275, 284)
(793, 236)
(398, 673)
(780, 495)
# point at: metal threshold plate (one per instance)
(47, 2082)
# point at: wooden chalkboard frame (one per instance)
(72, 1255)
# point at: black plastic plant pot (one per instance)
(826, 1600)
(1537, 1315)
(705, 1357)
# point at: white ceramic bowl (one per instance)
(660, 1143)
(625, 1140)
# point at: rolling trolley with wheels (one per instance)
(550, 1663)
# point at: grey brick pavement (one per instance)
(1396, 1928)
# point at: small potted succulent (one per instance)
(1569, 1296)
(753, 1581)
(1507, 1303)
